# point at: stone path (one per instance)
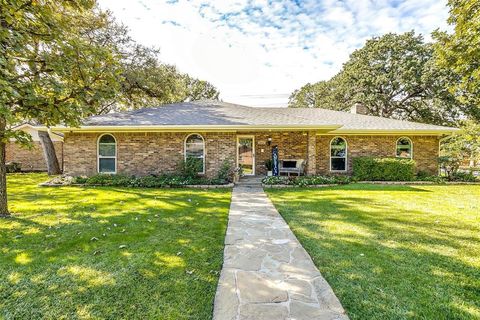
(266, 272)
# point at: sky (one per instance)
(258, 52)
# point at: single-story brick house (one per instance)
(32, 159)
(155, 140)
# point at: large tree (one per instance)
(141, 80)
(322, 94)
(394, 76)
(148, 82)
(460, 52)
(49, 70)
(464, 145)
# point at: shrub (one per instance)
(106, 180)
(463, 177)
(171, 180)
(304, 181)
(383, 169)
(190, 167)
(449, 165)
(13, 167)
(226, 172)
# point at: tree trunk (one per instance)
(3, 171)
(49, 153)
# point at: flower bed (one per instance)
(137, 182)
(321, 181)
(304, 181)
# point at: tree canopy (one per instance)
(464, 145)
(460, 52)
(393, 76)
(61, 61)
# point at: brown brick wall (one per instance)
(291, 145)
(156, 153)
(31, 159)
(146, 153)
(425, 150)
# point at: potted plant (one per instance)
(269, 166)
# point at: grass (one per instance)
(110, 253)
(392, 252)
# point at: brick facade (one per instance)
(142, 154)
(425, 150)
(155, 152)
(32, 159)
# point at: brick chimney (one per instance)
(359, 108)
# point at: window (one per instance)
(107, 154)
(195, 150)
(404, 148)
(338, 154)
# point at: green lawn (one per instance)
(392, 252)
(62, 254)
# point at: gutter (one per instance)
(201, 128)
(321, 129)
(435, 132)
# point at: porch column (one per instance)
(311, 153)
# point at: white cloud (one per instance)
(257, 53)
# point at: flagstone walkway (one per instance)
(266, 272)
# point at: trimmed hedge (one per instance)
(383, 169)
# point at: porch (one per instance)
(255, 149)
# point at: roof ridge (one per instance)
(371, 116)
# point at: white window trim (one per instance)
(104, 157)
(203, 149)
(346, 154)
(411, 148)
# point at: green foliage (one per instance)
(149, 82)
(168, 180)
(54, 68)
(226, 171)
(383, 169)
(322, 94)
(449, 164)
(304, 181)
(64, 61)
(393, 76)
(464, 145)
(464, 177)
(105, 180)
(460, 52)
(13, 167)
(190, 167)
(200, 90)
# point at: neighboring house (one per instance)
(32, 159)
(155, 140)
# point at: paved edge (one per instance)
(266, 273)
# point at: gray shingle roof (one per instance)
(216, 113)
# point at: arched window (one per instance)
(338, 154)
(404, 148)
(107, 154)
(195, 151)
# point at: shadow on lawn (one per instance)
(66, 260)
(387, 263)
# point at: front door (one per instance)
(246, 154)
